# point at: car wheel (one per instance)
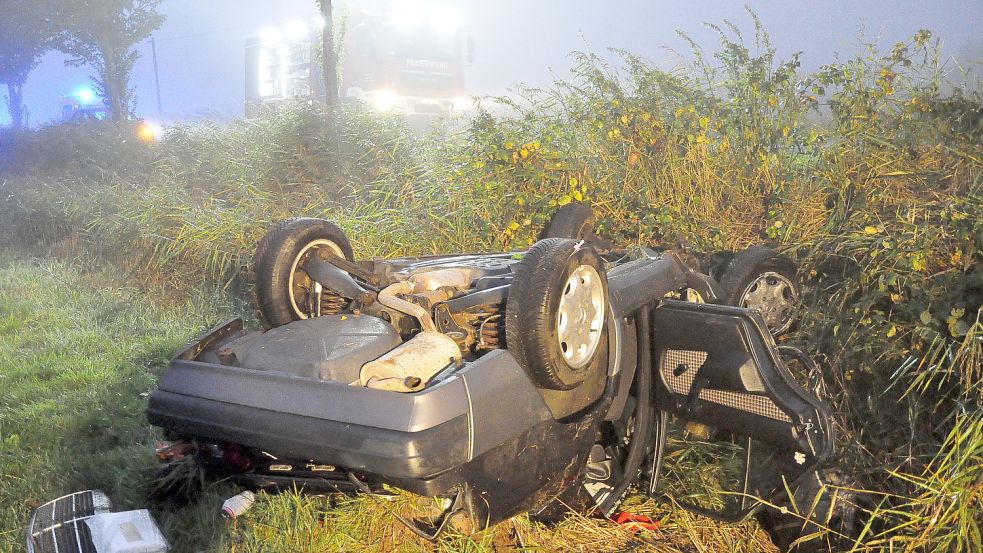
(574, 220)
(284, 292)
(760, 279)
(822, 514)
(554, 322)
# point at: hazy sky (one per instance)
(200, 47)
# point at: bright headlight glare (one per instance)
(385, 100)
(148, 132)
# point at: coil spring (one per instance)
(489, 327)
(332, 303)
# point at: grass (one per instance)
(77, 358)
(78, 353)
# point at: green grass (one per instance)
(77, 358)
(78, 354)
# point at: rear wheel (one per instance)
(761, 279)
(284, 291)
(555, 314)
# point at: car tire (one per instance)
(557, 305)
(821, 515)
(760, 278)
(279, 281)
(574, 220)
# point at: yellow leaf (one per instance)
(892, 331)
(918, 262)
(513, 226)
(871, 230)
(564, 200)
(578, 196)
(524, 153)
(956, 257)
(573, 181)
(520, 201)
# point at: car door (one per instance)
(747, 430)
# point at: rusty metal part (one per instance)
(454, 325)
(332, 303)
(409, 366)
(489, 326)
(388, 297)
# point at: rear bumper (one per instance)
(396, 436)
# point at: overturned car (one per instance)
(504, 382)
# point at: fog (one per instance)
(200, 47)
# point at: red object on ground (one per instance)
(173, 451)
(635, 523)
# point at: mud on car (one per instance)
(534, 381)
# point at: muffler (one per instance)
(409, 366)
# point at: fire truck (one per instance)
(409, 59)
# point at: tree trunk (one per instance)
(112, 87)
(15, 104)
(329, 57)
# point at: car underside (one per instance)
(504, 382)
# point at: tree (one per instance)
(25, 35)
(329, 55)
(104, 35)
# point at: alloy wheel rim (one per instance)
(773, 296)
(580, 316)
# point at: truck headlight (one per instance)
(385, 100)
(465, 103)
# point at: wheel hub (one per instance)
(773, 296)
(580, 316)
(305, 293)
